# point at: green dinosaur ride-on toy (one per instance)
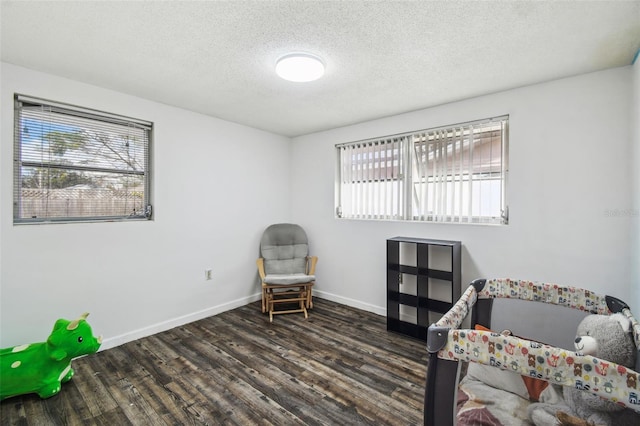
(42, 367)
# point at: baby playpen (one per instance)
(508, 330)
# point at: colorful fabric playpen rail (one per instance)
(529, 358)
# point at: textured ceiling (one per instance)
(383, 58)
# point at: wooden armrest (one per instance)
(260, 263)
(311, 264)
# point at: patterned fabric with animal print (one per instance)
(527, 358)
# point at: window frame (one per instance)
(407, 175)
(74, 114)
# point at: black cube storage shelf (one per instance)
(424, 280)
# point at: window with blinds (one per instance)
(454, 174)
(77, 164)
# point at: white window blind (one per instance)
(453, 174)
(372, 179)
(72, 163)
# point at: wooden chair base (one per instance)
(273, 295)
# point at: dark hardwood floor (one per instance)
(339, 367)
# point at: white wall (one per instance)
(569, 166)
(635, 167)
(214, 191)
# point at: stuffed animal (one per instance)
(42, 367)
(607, 337)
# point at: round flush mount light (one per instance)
(300, 67)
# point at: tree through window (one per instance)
(78, 164)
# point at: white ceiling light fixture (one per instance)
(300, 67)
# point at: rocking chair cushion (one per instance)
(288, 279)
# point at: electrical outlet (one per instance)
(207, 274)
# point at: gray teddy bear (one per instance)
(607, 337)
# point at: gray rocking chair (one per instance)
(286, 269)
